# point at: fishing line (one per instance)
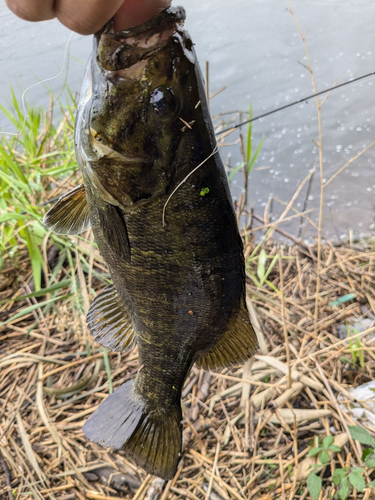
(215, 150)
(304, 99)
(16, 134)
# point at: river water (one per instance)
(255, 50)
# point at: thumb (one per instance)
(135, 12)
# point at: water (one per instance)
(254, 49)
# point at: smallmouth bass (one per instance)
(157, 198)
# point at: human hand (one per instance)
(88, 16)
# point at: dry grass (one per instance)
(235, 447)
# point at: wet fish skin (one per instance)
(178, 289)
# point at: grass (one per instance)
(249, 159)
(262, 447)
(355, 347)
(53, 375)
(281, 426)
(30, 164)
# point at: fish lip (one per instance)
(120, 50)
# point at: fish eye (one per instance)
(163, 102)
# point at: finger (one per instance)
(85, 16)
(135, 12)
(32, 10)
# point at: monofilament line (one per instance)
(303, 99)
(214, 151)
(16, 134)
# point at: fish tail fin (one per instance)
(151, 437)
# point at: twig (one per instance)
(213, 471)
(286, 339)
(7, 476)
(341, 169)
(321, 168)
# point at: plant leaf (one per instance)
(314, 485)
(324, 457)
(40, 293)
(342, 300)
(327, 441)
(235, 170)
(270, 267)
(335, 448)
(344, 490)
(361, 435)
(367, 452)
(314, 451)
(108, 369)
(256, 154)
(248, 141)
(338, 475)
(261, 269)
(36, 258)
(357, 481)
(358, 469)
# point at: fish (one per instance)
(156, 196)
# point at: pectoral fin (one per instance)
(70, 215)
(108, 321)
(237, 345)
(114, 229)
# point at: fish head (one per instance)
(138, 98)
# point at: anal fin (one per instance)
(238, 344)
(109, 323)
(70, 215)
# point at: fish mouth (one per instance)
(131, 48)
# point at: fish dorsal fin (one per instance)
(70, 215)
(108, 321)
(238, 344)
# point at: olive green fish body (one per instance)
(156, 196)
(183, 282)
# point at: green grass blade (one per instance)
(249, 133)
(9, 217)
(235, 170)
(36, 258)
(41, 292)
(254, 158)
(107, 369)
(27, 310)
(261, 268)
(12, 163)
(270, 267)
